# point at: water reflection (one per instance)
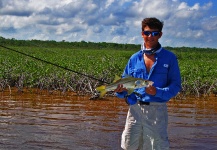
(42, 121)
(193, 124)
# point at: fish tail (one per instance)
(102, 90)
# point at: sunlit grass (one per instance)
(198, 68)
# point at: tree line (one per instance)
(85, 44)
(66, 44)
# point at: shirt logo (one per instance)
(166, 65)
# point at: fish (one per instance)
(130, 83)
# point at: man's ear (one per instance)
(142, 33)
(161, 33)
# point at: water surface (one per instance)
(68, 122)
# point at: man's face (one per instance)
(151, 37)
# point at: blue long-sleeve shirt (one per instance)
(164, 73)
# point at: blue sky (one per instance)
(190, 23)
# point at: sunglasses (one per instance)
(153, 33)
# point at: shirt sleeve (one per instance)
(174, 83)
(121, 94)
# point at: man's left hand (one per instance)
(151, 90)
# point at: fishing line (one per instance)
(53, 64)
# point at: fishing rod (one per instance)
(53, 64)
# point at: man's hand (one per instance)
(120, 88)
(151, 90)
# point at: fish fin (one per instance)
(116, 78)
(102, 90)
(130, 91)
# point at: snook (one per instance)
(130, 83)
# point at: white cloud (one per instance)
(108, 3)
(108, 20)
(210, 24)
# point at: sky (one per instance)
(187, 23)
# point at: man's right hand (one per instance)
(120, 88)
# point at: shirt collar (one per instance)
(151, 51)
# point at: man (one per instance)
(147, 119)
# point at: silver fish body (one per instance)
(130, 83)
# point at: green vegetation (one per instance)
(100, 60)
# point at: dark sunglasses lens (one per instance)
(155, 33)
(147, 33)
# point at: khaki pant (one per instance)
(146, 128)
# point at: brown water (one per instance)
(55, 122)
